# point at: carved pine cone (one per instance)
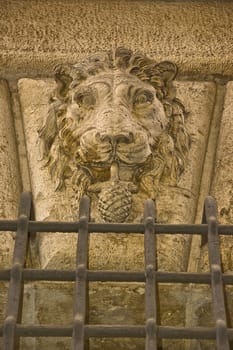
(115, 202)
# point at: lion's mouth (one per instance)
(101, 171)
(98, 154)
(104, 154)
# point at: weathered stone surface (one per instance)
(3, 302)
(51, 304)
(9, 185)
(195, 34)
(9, 176)
(49, 204)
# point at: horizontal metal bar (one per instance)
(43, 331)
(163, 332)
(118, 331)
(115, 276)
(56, 226)
(190, 333)
(114, 331)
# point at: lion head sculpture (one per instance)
(115, 128)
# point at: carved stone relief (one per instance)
(146, 161)
(75, 151)
(115, 131)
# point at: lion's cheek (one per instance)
(154, 124)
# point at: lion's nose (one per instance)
(115, 138)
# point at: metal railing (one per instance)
(80, 331)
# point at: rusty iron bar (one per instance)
(81, 285)
(60, 227)
(210, 216)
(15, 291)
(118, 331)
(116, 276)
(150, 286)
(12, 329)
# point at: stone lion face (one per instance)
(115, 128)
(117, 118)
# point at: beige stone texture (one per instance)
(9, 185)
(3, 302)
(19, 136)
(9, 177)
(49, 204)
(51, 304)
(36, 35)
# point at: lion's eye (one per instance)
(142, 98)
(85, 99)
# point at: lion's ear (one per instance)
(63, 78)
(167, 70)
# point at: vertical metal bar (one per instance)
(78, 340)
(216, 274)
(15, 292)
(204, 237)
(150, 286)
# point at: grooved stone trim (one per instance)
(9, 175)
(222, 187)
(9, 184)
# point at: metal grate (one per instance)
(12, 329)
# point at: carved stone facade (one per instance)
(121, 125)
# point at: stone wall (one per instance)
(38, 35)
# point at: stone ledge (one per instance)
(194, 34)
